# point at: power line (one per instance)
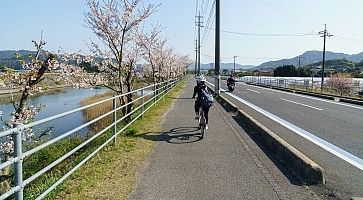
(282, 13)
(209, 23)
(196, 12)
(270, 35)
(348, 39)
(257, 58)
(205, 8)
(246, 57)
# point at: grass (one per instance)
(111, 174)
(113, 168)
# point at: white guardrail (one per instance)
(157, 91)
(294, 82)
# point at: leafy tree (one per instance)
(88, 67)
(286, 71)
(225, 72)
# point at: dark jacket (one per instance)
(198, 90)
(231, 80)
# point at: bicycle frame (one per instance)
(202, 121)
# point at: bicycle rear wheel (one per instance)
(202, 124)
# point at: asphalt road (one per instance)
(225, 164)
(337, 123)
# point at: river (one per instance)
(56, 104)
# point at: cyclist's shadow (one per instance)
(180, 135)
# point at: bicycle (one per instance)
(202, 122)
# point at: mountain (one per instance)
(228, 66)
(310, 57)
(8, 59)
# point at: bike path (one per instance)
(225, 164)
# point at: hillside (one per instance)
(8, 59)
(311, 57)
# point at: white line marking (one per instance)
(301, 104)
(314, 98)
(253, 91)
(340, 153)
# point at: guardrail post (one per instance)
(18, 151)
(142, 103)
(155, 94)
(295, 84)
(114, 119)
(285, 82)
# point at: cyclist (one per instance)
(230, 81)
(198, 103)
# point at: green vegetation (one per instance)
(88, 67)
(241, 74)
(291, 71)
(113, 168)
(337, 66)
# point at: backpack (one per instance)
(206, 98)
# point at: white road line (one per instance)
(253, 91)
(314, 98)
(301, 104)
(340, 153)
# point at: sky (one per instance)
(255, 31)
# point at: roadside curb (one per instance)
(302, 166)
(329, 97)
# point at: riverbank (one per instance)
(120, 162)
(115, 167)
(7, 95)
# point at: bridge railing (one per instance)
(147, 97)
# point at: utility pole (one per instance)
(199, 24)
(196, 57)
(323, 34)
(298, 70)
(234, 65)
(217, 48)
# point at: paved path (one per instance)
(226, 164)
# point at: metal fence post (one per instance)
(155, 94)
(18, 151)
(114, 118)
(142, 103)
(295, 84)
(285, 82)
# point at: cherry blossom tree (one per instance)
(29, 81)
(148, 42)
(341, 83)
(161, 60)
(116, 24)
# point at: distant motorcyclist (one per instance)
(231, 83)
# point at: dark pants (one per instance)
(197, 105)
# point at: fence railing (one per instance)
(147, 97)
(305, 84)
